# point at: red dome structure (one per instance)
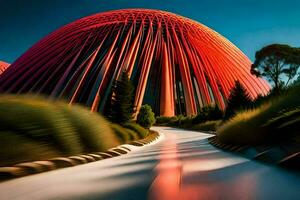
(3, 66)
(177, 65)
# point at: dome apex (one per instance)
(177, 65)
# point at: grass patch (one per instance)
(16, 148)
(142, 132)
(273, 122)
(41, 129)
(124, 134)
(92, 129)
(207, 126)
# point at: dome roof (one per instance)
(177, 65)
(3, 66)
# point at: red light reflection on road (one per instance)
(169, 185)
(168, 181)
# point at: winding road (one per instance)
(181, 165)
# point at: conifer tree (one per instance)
(121, 106)
(239, 99)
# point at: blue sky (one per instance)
(249, 24)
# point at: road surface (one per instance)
(182, 165)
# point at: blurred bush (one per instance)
(124, 134)
(276, 121)
(93, 130)
(34, 128)
(17, 148)
(142, 132)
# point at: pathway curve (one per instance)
(183, 165)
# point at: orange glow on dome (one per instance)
(3, 66)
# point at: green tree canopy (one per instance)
(146, 117)
(238, 99)
(121, 108)
(278, 63)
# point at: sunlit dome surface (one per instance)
(176, 65)
(3, 66)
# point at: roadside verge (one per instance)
(34, 167)
(285, 155)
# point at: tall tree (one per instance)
(278, 63)
(238, 99)
(121, 102)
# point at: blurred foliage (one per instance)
(92, 129)
(146, 117)
(34, 128)
(16, 148)
(142, 132)
(124, 134)
(276, 120)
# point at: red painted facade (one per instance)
(176, 64)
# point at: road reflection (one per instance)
(179, 177)
(167, 183)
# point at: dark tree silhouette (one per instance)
(238, 99)
(278, 63)
(121, 107)
(296, 82)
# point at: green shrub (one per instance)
(146, 117)
(184, 121)
(162, 120)
(207, 126)
(142, 132)
(208, 113)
